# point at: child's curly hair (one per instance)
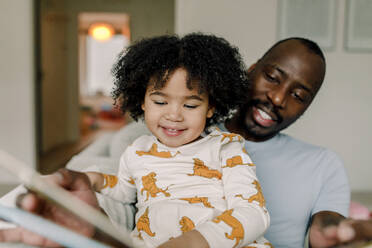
(212, 64)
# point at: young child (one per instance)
(195, 186)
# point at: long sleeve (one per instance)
(246, 217)
(122, 187)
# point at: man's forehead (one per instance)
(297, 61)
(286, 49)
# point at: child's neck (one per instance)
(199, 138)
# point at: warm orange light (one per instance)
(101, 31)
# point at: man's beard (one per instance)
(250, 127)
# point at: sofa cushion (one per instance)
(100, 147)
(81, 163)
(125, 137)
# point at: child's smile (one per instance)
(175, 114)
(172, 131)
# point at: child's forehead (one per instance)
(179, 78)
(169, 89)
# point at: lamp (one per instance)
(101, 31)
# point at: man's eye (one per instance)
(190, 106)
(270, 78)
(298, 97)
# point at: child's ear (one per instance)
(143, 106)
(210, 112)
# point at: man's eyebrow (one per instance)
(279, 70)
(302, 86)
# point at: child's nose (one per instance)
(175, 113)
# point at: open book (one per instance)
(34, 181)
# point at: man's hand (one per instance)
(330, 229)
(78, 185)
(355, 230)
(323, 229)
(192, 238)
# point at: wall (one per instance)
(340, 117)
(236, 21)
(61, 90)
(17, 106)
(59, 116)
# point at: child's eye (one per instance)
(190, 106)
(159, 103)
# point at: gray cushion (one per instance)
(125, 137)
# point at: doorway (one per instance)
(67, 91)
(102, 37)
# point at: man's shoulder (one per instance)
(309, 151)
(289, 140)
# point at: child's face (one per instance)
(175, 114)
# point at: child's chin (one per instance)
(173, 144)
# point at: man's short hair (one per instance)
(309, 44)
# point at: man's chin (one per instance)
(257, 132)
(260, 134)
(256, 127)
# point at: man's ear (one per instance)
(210, 112)
(251, 68)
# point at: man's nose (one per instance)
(278, 96)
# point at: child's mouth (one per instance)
(172, 131)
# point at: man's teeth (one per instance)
(264, 115)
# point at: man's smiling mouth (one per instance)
(262, 118)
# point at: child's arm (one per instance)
(120, 187)
(192, 238)
(245, 218)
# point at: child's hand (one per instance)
(96, 180)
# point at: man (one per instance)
(302, 184)
(305, 186)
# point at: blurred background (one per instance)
(56, 58)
